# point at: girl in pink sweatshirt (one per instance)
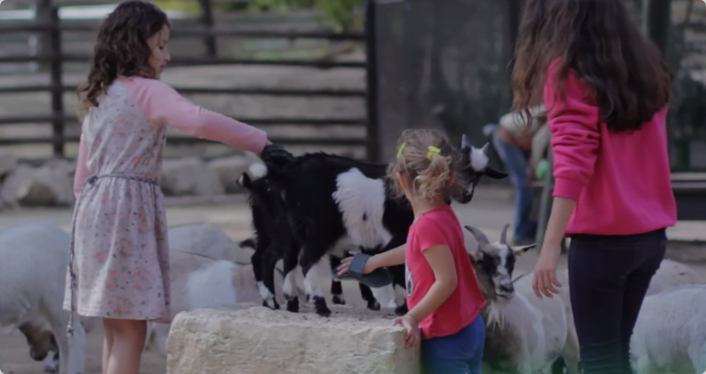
(119, 256)
(606, 90)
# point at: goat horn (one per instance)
(503, 235)
(480, 237)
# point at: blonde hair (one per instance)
(428, 162)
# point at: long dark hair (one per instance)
(121, 47)
(599, 42)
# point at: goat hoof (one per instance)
(293, 305)
(51, 368)
(272, 304)
(338, 299)
(373, 305)
(401, 310)
(321, 308)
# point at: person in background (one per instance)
(521, 150)
(606, 88)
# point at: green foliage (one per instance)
(192, 7)
(342, 13)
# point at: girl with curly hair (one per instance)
(119, 266)
(606, 90)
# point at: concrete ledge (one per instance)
(252, 339)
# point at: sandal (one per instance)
(379, 277)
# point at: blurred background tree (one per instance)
(344, 15)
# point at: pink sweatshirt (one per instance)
(164, 106)
(621, 181)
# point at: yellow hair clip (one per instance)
(432, 150)
(399, 151)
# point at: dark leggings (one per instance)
(608, 279)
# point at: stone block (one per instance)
(256, 340)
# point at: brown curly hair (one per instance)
(431, 166)
(601, 44)
(121, 48)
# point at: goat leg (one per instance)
(311, 266)
(367, 294)
(289, 288)
(267, 286)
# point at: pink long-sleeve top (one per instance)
(165, 106)
(621, 182)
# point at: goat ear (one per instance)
(520, 250)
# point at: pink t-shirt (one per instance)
(440, 226)
(621, 182)
(163, 105)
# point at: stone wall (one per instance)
(257, 340)
(51, 184)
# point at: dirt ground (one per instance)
(490, 210)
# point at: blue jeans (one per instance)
(460, 353)
(516, 165)
(608, 279)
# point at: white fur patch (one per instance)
(257, 170)
(503, 252)
(496, 314)
(289, 286)
(385, 296)
(361, 201)
(312, 281)
(479, 160)
(211, 285)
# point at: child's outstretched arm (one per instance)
(442, 264)
(391, 257)
(164, 105)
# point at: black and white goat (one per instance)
(524, 334)
(334, 204)
(274, 241)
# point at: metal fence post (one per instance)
(372, 131)
(207, 20)
(57, 92)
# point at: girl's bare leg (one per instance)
(128, 340)
(107, 346)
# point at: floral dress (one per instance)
(119, 259)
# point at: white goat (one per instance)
(670, 275)
(524, 334)
(32, 279)
(200, 281)
(670, 333)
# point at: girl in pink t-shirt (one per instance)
(119, 255)
(442, 292)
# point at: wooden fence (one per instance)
(53, 57)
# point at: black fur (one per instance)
(273, 240)
(307, 185)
